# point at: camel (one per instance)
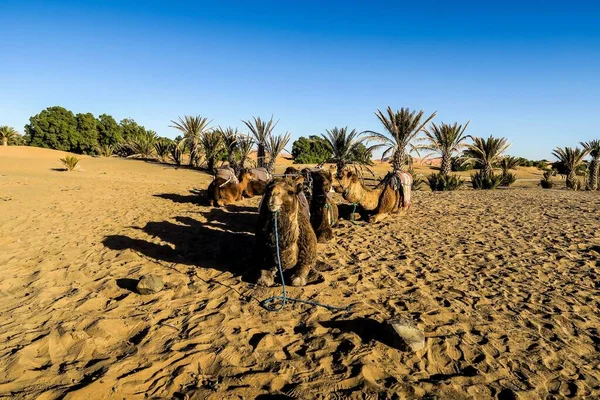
(227, 191)
(323, 210)
(387, 198)
(257, 186)
(296, 239)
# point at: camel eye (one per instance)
(291, 192)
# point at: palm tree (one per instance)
(7, 133)
(192, 128)
(445, 140)
(275, 145)
(244, 147)
(485, 153)
(402, 127)
(342, 145)
(229, 137)
(593, 148)
(261, 130)
(508, 163)
(212, 143)
(571, 158)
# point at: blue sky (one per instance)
(527, 71)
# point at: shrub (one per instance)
(105, 150)
(440, 182)
(311, 150)
(546, 182)
(176, 153)
(508, 179)
(418, 180)
(70, 162)
(480, 181)
(162, 147)
(458, 164)
(139, 145)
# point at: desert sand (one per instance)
(504, 284)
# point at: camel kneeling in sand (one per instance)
(390, 196)
(323, 209)
(227, 191)
(294, 236)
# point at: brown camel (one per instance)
(323, 210)
(296, 238)
(256, 187)
(222, 192)
(381, 201)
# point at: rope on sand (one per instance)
(284, 299)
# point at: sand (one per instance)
(504, 285)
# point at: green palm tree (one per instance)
(261, 130)
(7, 133)
(571, 158)
(485, 153)
(275, 145)
(192, 128)
(445, 140)
(508, 163)
(244, 147)
(229, 137)
(402, 127)
(212, 143)
(593, 148)
(342, 144)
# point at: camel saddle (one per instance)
(401, 180)
(261, 174)
(227, 174)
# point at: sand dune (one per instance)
(504, 285)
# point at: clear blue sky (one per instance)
(529, 72)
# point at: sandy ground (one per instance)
(504, 285)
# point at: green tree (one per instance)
(212, 144)
(193, 129)
(275, 145)
(485, 153)
(342, 144)
(402, 127)
(571, 158)
(445, 140)
(311, 150)
(87, 129)
(7, 133)
(54, 128)
(109, 132)
(593, 148)
(130, 128)
(261, 130)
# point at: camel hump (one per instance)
(227, 174)
(261, 174)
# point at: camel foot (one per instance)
(266, 278)
(377, 217)
(298, 280)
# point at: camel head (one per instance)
(246, 175)
(322, 182)
(345, 180)
(284, 195)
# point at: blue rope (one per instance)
(283, 297)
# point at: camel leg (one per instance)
(324, 235)
(307, 256)
(378, 217)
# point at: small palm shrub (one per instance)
(70, 162)
(140, 145)
(441, 183)
(105, 150)
(176, 152)
(418, 180)
(479, 180)
(508, 179)
(162, 148)
(546, 182)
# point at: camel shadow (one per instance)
(195, 197)
(345, 212)
(368, 329)
(224, 243)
